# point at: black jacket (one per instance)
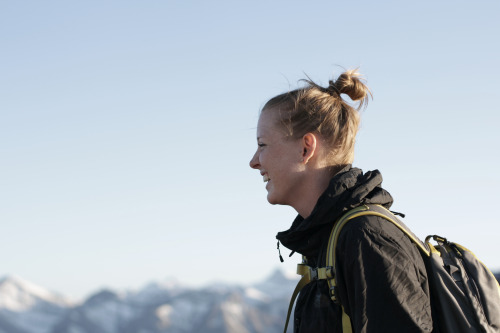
(381, 277)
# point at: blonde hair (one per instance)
(314, 109)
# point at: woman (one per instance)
(305, 149)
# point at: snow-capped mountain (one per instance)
(26, 307)
(158, 307)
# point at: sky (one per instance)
(126, 129)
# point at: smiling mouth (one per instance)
(266, 178)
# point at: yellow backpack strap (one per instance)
(308, 274)
(346, 322)
(332, 244)
(330, 260)
(306, 278)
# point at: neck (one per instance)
(313, 188)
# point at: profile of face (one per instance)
(280, 161)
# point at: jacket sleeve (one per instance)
(381, 278)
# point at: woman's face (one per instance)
(278, 158)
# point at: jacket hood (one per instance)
(347, 189)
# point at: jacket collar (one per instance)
(349, 188)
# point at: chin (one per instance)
(271, 200)
(274, 201)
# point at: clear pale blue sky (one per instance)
(126, 128)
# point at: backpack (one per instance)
(465, 295)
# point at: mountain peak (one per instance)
(277, 284)
(279, 275)
(17, 294)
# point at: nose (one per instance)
(254, 162)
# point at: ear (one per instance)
(309, 142)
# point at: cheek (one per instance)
(286, 172)
(269, 158)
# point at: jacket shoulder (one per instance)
(374, 232)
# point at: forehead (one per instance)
(267, 125)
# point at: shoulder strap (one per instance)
(376, 210)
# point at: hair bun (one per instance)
(352, 84)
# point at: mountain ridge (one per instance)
(160, 306)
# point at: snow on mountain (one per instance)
(156, 291)
(159, 307)
(28, 308)
(20, 295)
(103, 312)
